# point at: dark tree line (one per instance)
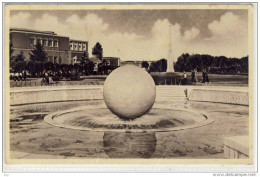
(213, 64)
(158, 66)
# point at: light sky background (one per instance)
(144, 34)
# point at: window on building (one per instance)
(39, 40)
(50, 43)
(55, 60)
(45, 42)
(56, 43)
(32, 41)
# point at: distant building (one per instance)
(60, 49)
(136, 63)
(113, 62)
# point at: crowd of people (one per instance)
(19, 76)
(49, 77)
(46, 80)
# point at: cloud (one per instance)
(191, 34)
(229, 24)
(229, 36)
(21, 20)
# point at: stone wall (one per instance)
(220, 96)
(26, 95)
(236, 147)
(50, 94)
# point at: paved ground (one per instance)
(32, 138)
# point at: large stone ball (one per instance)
(129, 92)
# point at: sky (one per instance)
(145, 34)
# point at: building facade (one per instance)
(77, 50)
(60, 49)
(136, 63)
(113, 62)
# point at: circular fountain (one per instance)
(160, 118)
(128, 116)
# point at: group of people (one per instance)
(194, 79)
(47, 79)
(19, 76)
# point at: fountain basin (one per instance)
(99, 118)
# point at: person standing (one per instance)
(47, 78)
(20, 77)
(206, 76)
(193, 76)
(203, 76)
(184, 81)
(24, 75)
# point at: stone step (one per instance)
(170, 89)
(160, 93)
(162, 90)
(171, 98)
(170, 95)
(175, 93)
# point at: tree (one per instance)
(39, 66)
(31, 68)
(163, 65)
(19, 64)
(38, 54)
(84, 58)
(19, 57)
(11, 51)
(98, 50)
(244, 63)
(153, 67)
(49, 66)
(145, 65)
(89, 67)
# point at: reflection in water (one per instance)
(129, 145)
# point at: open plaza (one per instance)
(163, 90)
(31, 137)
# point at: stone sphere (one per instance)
(129, 92)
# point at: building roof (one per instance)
(73, 40)
(31, 31)
(24, 30)
(110, 57)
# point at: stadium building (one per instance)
(60, 49)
